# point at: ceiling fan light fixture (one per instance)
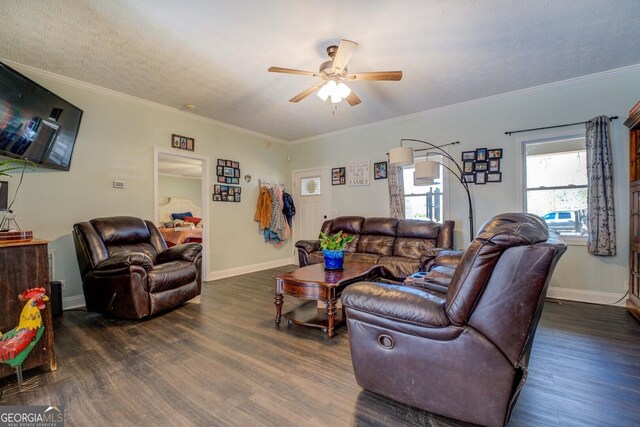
(335, 97)
(343, 90)
(327, 90)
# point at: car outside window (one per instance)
(555, 185)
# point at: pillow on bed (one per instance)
(192, 219)
(180, 215)
(168, 224)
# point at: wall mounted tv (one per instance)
(35, 123)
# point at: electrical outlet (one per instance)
(62, 284)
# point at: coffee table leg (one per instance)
(279, 298)
(331, 315)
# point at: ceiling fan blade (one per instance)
(345, 50)
(376, 75)
(302, 95)
(291, 71)
(353, 99)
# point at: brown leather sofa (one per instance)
(127, 270)
(464, 353)
(401, 247)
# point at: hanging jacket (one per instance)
(263, 209)
(289, 209)
(277, 224)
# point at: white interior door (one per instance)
(312, 197)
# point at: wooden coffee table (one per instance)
(313, 282)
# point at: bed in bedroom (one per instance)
(175, 226)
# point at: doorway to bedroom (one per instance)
(181, 208)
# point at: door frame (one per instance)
(204, 194)
(325, 183)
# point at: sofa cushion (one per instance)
(399, 267)
(360, 257)
(412, 247)
(419, 229)
(346, 224)
(375, 244)
(171, 275)
(380, 226)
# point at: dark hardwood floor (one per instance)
(223, 361)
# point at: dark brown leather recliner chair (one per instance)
(127, 270)
(463, 354)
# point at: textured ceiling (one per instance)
(179, 166)
(215, 54)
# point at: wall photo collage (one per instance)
(482, 165)
(227, 172)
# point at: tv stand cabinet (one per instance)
(23, 266)
(633, 303)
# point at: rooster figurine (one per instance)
(16, 344)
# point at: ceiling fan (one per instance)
(334, 73)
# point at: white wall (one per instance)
(180, 187)
(116, 141)
(483, 123)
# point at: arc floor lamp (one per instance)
(428, 171)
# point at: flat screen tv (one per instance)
(35, 124)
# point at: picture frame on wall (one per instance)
(339, 176)
(481, 166)
(182, 142)
(467, 166)
(481, 154)
(494, 165)
(495, 153)
(380, 170)
(481, 177)
(468, 155)
(469, 177)
(494, 177)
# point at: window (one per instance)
(555, 177)
(310, 186)
(424, 202)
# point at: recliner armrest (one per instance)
(428, 257)
(308, 246)
(119, 264)
(448, 258)
(397, 302)
(184, 252)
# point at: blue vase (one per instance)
(333, 260)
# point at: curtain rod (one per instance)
(509, 132)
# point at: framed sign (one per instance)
(359, 173)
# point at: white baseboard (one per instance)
(593, 297)
(236, 271)
(76, 301)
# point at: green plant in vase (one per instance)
(13, 165)
(333, 247)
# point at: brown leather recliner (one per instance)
(127, 270)
(463, 354)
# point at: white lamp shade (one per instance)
(343, 90)
(401, 156)
(422, 181)
(427, 170)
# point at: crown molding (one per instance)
(474, 102)
(133, 99)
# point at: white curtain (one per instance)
(396, 192)
(600, 204)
